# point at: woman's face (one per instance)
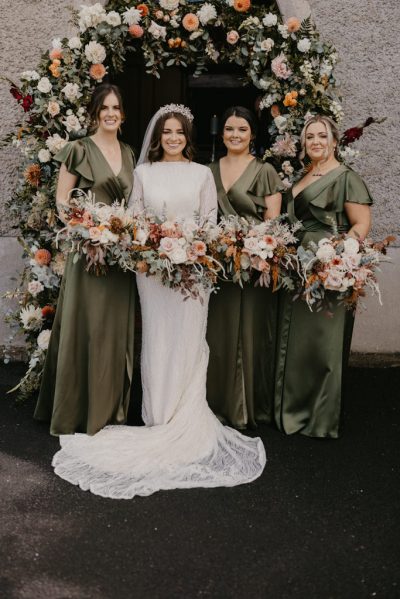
(317, 145)
(173, 140)
(237, 135)
(110, 117)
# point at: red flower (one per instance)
(351, 135)
(16, 93)
(48, 312)
(27, 103)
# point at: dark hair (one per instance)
(156, 151)
(243, 113)
(97, 100)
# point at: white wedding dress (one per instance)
(183, 444)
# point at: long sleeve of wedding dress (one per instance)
(183, 444)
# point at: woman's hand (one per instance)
(359, 216)
(272, 206)
(66, 182)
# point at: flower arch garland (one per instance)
(286, 61)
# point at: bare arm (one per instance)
(66, 182)
(359, 216)
(272, 206)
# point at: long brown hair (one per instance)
(156, 151)
(97, 101)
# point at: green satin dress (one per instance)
(313, 347)
(242, 322)
(88, 371)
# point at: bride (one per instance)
(183, 444)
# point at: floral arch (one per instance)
(286, 61)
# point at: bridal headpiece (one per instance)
(167, 109)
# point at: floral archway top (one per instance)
(286, 61)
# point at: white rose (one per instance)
(251, 244)
(44, 155)
(91, 16)
(167, 244)
(113, 18)
(132, 16)
(351, 245)
(43, 339)
(75, 43)
(71, 91)
(304, 44)
(95, 52)
(53, 108)
(178, 255)
(157, 31)
(270, 20)
(30, 76)
(55, 143)
(325, 253)
(35, 287)
(267, 45)
(72, 123)
(169, 4)
(44, 85)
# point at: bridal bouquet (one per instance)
(176, 251)
(264, 251)
(342, 265)
(99, 233)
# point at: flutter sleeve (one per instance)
(266, 183)
(76, 161)
(136, 203)
(208, 199)
(356, 190)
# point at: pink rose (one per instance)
(232, 37)
(167, 245)
(279, 67)
(199, 248)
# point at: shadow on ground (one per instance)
(322, 521)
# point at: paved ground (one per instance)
(322, 521)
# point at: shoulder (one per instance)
(265, 167)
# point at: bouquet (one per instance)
(264, 252)
(340, 267)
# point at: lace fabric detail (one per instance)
(183, 444)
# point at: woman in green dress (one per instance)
(313, 347)
(88, 371)
(242, 322)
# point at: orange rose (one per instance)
(241, 5)
(293, 24)
(136, 31)
(190, 22)
(55, 54)
(290, 99)
(53, 68)
(32, 175)
(144, 10)
(97, 71)
(42, 257)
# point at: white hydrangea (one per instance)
(43, 339)
(270, 20)
(55, 143)
(337, 110)
(30, 76)
(56, 43)
(44, 155)
(157, 31)
(35, 287)
(113, 18)
(44, 85)
(75, 43)
(307, 71)
(72, 123)
(280, 123)
(267, 45)
(91, 16)
(283, 30)
(71, 91)
(169, 4)
(325, 251)
(95, 52)
(206, 13)
(132, 16)
(304, 44)
(31, 318)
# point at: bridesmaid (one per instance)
(312, 347)
(241, 322)
(88, 371)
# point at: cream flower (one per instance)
(325, 253)
(43, 339)
(304, 45)
(169, 4)
(44, 85)
(75, 43)
(280, 68)
(72, 123)
(71, 91)
(56, 43)
(132, 16)
(55, 143)
(91, 16)
(35, 287)
(95, 52)
(206, 13)
(31, 318)
(157, 31)
(351, 245)
(270, 20)
(113, 18)
(30, 76)
(267, 45)
(44, 155)
(53, 108)
(232, 37)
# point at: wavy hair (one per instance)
(332, 133)
(156, 152)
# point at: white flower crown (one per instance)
(180, 108)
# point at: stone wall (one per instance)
(369, 71)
